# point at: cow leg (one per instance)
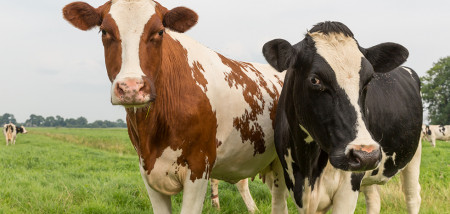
(372, 195)
(193, 195)
(433, 141)
(410, 182)
(215, 193)
(345, 199)
(242, 186)
(161, 203)
(275, 181)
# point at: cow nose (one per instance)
(129, 87)
(363, 158)
(131, 91)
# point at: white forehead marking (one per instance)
(344, 57)
(131, 17)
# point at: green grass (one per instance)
(434, 180)
(52, 170)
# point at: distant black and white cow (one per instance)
(436, 132)
(10, 131)
(347, 118)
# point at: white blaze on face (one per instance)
(131, 17)
(344, 57)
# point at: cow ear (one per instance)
(82, 15)
(180, 19)
(386, 56)
(279, 54)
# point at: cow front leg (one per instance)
(275, 181)
(433, 141)
(194, 192)
(410, 182)
(215, 193)
(242, 186)
(372, 195)
(345, 198)
(161, 203)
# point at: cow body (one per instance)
(347, 119)
(436, 132)
(192, 113)
(10, 131)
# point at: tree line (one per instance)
(58, 121)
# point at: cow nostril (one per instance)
(141, 86)
(354, 158)
(119, 90)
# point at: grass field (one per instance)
(96, 171)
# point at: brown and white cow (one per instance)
(10, 131)
(192, 113)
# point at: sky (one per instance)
(49, 68)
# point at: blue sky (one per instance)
(49, 68)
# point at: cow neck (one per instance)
(172, 83)
(311, 158)
(171, 120)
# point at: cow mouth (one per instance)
(129, 102)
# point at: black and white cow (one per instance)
(436, 132)
(348, 117)
(10, 131)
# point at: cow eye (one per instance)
(161, 32)
(315, 81)
(103, 32)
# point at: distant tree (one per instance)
(121, 123)
(50, 121)
(82, 122)
(35, 120)
(60, 121)
(436, 92)
(70, 122)
(98, 124)
(7, 118)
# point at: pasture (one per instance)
(59, 170)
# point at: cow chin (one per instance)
(131, 101)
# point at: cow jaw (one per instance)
(131, 87)
(344, 57)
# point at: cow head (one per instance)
(21, 129)
(329, 75)
(132, 33)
